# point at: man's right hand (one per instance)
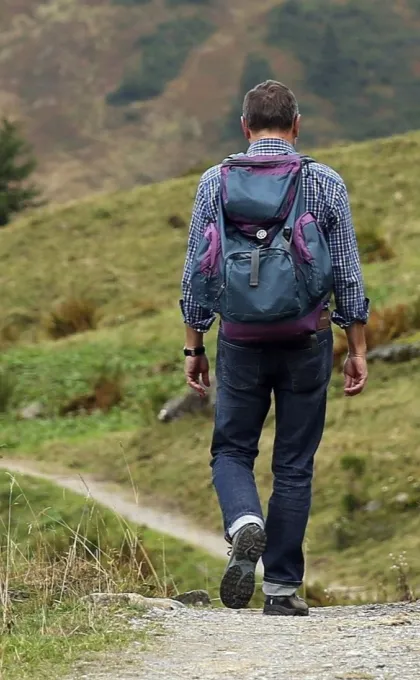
(355, 375)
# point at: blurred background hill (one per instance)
(120, 92)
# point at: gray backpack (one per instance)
(264, 266)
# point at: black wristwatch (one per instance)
(195, 351)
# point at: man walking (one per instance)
(271, 239)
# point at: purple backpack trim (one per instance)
(247, 332)
(209, 263)
(301, 249)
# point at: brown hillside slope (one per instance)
(60, 59)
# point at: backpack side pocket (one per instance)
(313, 257)
(205, 275)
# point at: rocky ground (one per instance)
(380, 642)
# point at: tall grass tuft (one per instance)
(74, 315)
(48, 566)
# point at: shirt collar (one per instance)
(270, 146)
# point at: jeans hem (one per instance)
(279, 590)
(242, 521)
(286, 584)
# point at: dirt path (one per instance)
(114, 498)
(117, 499)
(350, 643)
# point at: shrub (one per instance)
(17, 165)
(106, 393)
(163, 56)
(353, 498)
(344, 533)
(354, 465)
(383, 327)
(71, 316)
(14, 325)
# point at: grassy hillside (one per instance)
(105, 85)
(123, 252)
(56, 547)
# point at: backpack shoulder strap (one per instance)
(307, 160)
(232, 157)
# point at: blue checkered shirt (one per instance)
(327, 199)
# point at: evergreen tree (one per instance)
(17, 164)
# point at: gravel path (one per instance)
(344, 643)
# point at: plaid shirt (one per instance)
(327, 199)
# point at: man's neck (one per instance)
(271, 134)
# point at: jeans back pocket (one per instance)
(239, 366)
(310, 368)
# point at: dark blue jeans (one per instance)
(247, 375)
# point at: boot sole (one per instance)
(238, 583)
(283, 611)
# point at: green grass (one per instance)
(56, 547)
(134, 278)
(135, 273)
(49, 641)
(170, 464)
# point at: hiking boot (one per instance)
(238, 583)
(285, 606)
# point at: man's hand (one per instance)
(355, 375)
(196, 368)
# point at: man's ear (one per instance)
(296, 126)
(245, 129)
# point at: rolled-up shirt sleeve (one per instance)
(193, 314)
(351, 302)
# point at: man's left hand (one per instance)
(196, 368)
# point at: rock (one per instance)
(189, 403)
(394, 353)
(373, 506)
(195, 598)
(32, 411)
(134, 600)
(402, 498)
(400, 620)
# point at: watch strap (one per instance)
(194, 351)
